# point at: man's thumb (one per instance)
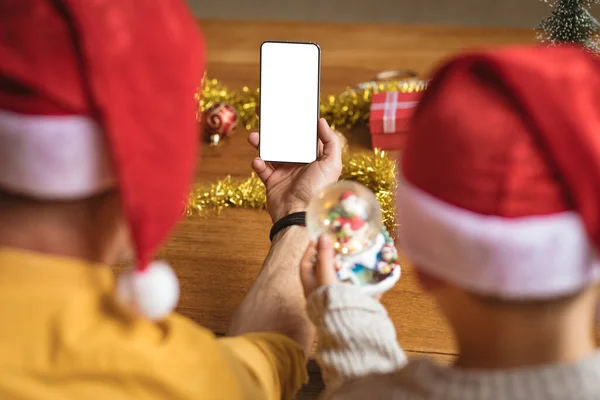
(324, 269)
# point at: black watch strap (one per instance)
(298, 218)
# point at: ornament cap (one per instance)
(215, 139)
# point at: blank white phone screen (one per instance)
(289, 101)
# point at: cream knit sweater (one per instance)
(361, 359)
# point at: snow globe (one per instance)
(350, 215)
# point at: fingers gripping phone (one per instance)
(289, 101)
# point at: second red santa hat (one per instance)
(500, 187)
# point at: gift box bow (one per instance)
(385, 107)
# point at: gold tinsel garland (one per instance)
(347, 109)
(375, 170)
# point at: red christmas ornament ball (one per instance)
(220, 120)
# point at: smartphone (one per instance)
(290, 74)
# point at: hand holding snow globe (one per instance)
(350, 215)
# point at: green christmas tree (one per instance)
(571, 22)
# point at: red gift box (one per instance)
(389, 118)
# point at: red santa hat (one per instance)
(95, 94)
(500, 192)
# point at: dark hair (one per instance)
(561, 301)
(11, 198)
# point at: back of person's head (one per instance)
(97, 117)
(500, 187)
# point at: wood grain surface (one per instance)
(217, 258)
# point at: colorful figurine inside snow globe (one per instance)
(365, 253)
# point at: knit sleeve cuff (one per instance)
(340, 296)
(355, 336)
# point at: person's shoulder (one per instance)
(403, 384)
(129, 342)
(173, 358)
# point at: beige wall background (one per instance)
(503, 13)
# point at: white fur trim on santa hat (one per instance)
(53, 157)
(152, 293)
(533, 257)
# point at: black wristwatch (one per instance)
(298, 218)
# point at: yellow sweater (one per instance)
(62, 336)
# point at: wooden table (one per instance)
(217, 258)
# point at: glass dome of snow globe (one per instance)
(348, 213)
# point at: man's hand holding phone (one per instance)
(291, 186)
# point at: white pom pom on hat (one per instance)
(152, 292)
